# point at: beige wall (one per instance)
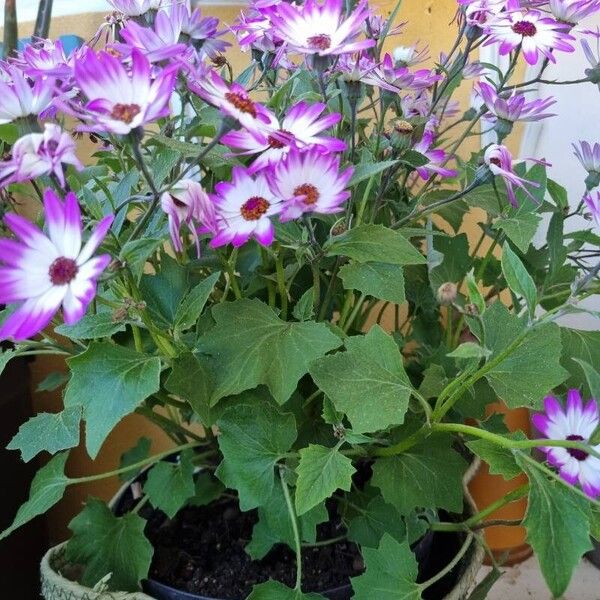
(428, 21)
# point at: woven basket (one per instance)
(57, 587)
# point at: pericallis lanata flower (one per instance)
(40, 273)
(576, 422)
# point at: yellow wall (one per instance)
(428, 21)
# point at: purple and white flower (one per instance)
(188, 204)
(402, 78)
(500, 162)
(301, 126)
(233, 100)
(202, 31)
(119, 101)
(410, 56)
(254, 30)
(513, 107)
(244, 209)
(573, 11)
(361, 67)
(533, 31)
(157, 43)
(588, 155)
(39, 154)
(18, 98)
(309, 182)
(135, 8)
(45, 58)
(479, 12)
(576, 423)
(40, 273)
(593, 205)
(321, 29)
(436, 157)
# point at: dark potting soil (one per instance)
(201, 551)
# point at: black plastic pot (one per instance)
(432, 552)
(164, 592)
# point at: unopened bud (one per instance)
(503, 128)
(404, 127)
(592, 180)
(339, 228)
(446, 293)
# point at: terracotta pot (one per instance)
(507, 543)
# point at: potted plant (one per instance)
(270, 265)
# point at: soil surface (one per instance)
(202, 551)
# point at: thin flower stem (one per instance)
(354, 313)
(138, 465)
(463, 550)
(141, 503)
(295, 529)
(283, 295)
(508, 443)
(330, 542)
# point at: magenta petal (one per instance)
(552, 407)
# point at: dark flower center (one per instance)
(309, 191)
(62, 271)
(496, 161)
(275, 142)
(50, 146)
(254, 208)
(319, 42)
(242, 103)
(125, 112)
(178, 203)
(525, 28)
(576, 452)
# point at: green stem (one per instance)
(363, 202)
(330, 542)
(354, 313)
(281, 283)
(138, 465)
(295, 529)
(509, 443)
(463, 550)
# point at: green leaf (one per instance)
(501, 461)
(592, 376)
(170, 485)
(254, 346)
(371, 368)
(275, 527)
(5, 358)
(304, 309)
(558, 193)
(519, 229)
(9, 133)
(375, 243)
(274, 590)
(526, 375)
(475, 295)
(92, 326)
(414, 159)
(426, 476)
(51, 432)
(558, 528)
(456, 261)
(582, 345)
(434, 381)
(110, 382)
(133, 456)
(469, 350)
(193, 304)
(518, 279)
(252, 440)
(207, 489)
(107, 544)
(391, 573)
(136, 253)
(52, 382)
(321, 471)
(191, 379)
(368, 170)
(47, 488)
(164, 292)
(375, 520)
(380, 280)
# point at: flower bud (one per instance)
(471, 310)
(447, 293)
(592, 180)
